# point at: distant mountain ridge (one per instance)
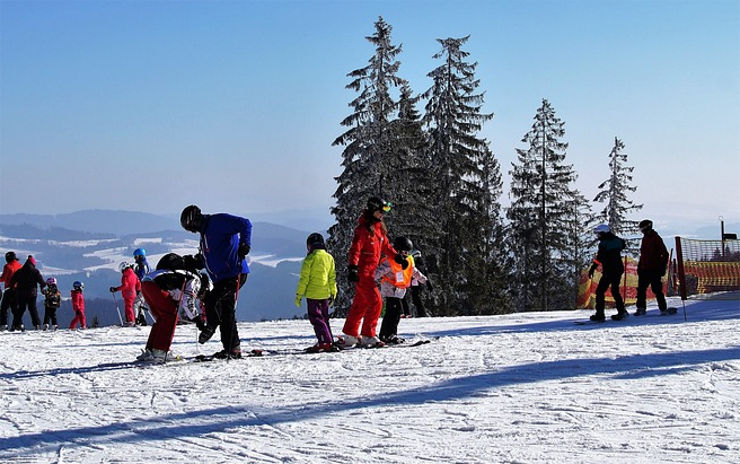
(92, 256)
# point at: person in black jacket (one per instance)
(609, 257)
(24, 281)
(170, 291)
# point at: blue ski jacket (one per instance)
(220, 236)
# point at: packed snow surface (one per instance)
(521, 388)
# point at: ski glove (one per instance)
(592, 270)
(298, 300)
(243, 250)
(401, 259)
(112, 289)
(353, 273)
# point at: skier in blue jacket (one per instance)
(225, 241)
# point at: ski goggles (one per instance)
(386, 207)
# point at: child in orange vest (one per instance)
(394, 280)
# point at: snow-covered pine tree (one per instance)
(408, 178)
(454, 118)
(542, 196)
(614, 192)
(367, 141)
(582, 243)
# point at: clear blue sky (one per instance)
(233, 105)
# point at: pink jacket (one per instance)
(130, 284)
(78, 301)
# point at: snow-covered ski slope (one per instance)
(522, 388)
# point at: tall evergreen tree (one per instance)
(454, 118)
(408, 182)
(367, 141)
(542, 204)
(614, 191)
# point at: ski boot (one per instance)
(206, 334)
(371, 342)
(598, 317)
(620, 315)
(46, 327)
(640, 312)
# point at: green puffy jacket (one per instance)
(318, 277)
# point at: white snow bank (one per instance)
(528, 388)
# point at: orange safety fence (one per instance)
(628, 288)
(713, 276)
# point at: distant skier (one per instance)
(651, 268)
(141, 268)
(78, 306)
(169, 290)
(394, 280)
(9, 300)
(225, 241)
(52, 302)
(25, 281)
(369, 242)
(610, 258)
(129, 288)
(318, 283)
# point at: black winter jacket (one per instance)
(25, 280)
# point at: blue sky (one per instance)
(150, 106)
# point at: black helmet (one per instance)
(315, 240)
(10, 256)
(403, 244)
(191, 218)
(646, 224)
(378, 204)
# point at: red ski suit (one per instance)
(367, 246)
(78, 305)
(129, 287)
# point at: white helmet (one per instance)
(602, 229)
(123, 266)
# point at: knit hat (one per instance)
(31, 259)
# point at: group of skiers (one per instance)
(651, 267)
(204, 288)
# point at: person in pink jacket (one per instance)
(78, 305)
(129, 288)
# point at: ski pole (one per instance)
(115, 300)
(236, 301)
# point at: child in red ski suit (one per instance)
(129, 288)
(78, 305)
(369, 242)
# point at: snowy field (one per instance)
(523, 388)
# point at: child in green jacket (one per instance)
(318, 283)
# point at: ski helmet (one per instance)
(602, 229)
(315, 240)
(191, 218)
(10, 256)
(51, 281)
(645, 225)
(377, 204)
(139, 253)
(403, 244)
(123, 266)
(77, 285)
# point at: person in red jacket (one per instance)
(129, 288)
(369, 242)
(651, 268)
(8, 301)
(78, 306)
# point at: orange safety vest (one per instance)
(401, 278)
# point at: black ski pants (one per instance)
(650, 279)
(26, 301)
(50, 315)
(221, 311)
(393, 309)
(8, 302)
(609, 280)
